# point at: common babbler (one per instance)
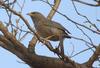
(49, 29)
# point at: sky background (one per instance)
(9, 60)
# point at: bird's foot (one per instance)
(56, 50)
(44, 41)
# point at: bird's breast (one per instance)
(46, 30)
(43, 31)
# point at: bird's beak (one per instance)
(29, 14)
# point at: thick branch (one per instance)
(94, 57)
(32, 44)
(9, 46)
(33, 60)
(52, 12)
(10, 37)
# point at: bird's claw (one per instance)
(44, 40)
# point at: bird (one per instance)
(48, 29)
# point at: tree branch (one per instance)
(86, 3)
(52, 12)
(32, 44)
(18, 14)
(94, 57)
(17, 48)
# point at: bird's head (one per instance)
(35, 15)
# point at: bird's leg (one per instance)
(61, 47)
(47, 38)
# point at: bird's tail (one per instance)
(67, 36)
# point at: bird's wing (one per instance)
(56, 25)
